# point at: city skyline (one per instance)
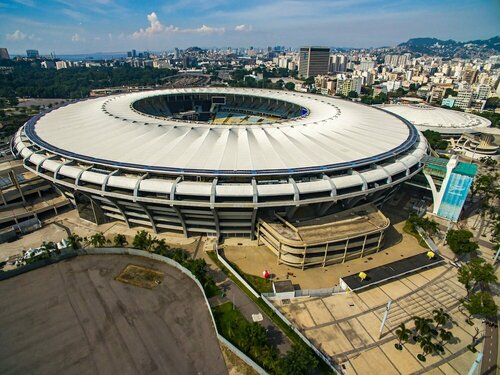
(106, 25)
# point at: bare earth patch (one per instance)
(140, 276)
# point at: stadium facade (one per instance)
(217, 160)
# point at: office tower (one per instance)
(32, 54)
(313, 61)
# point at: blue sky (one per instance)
(85, 26)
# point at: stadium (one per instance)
(229, 162)
(465, 131)
(447, 122)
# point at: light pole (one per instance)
(476, 363)
(385, 318)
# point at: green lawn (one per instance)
(294, 338)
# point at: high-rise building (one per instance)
(313, 61)
(32, 54)
(367, 65)
(464, 98)
(4, 54)
(338, 63)
(482, 92)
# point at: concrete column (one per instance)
(363, 247)
(254, 221)
(326, 251)
(345, 250)
(380, 240)
(18, 187)
(3, 197)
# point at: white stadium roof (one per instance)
(336, 134)
(446, 121)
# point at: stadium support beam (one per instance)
(296, 194)
(254, 223)
(213, 192)
(389, 177)
(56, 172)
(106, 179)
(39, 165)
(150, 217)
(181, 219)
(177, 210)
(118, 206)
(77, 179)
(255, 191)
(138, 184)
(174, 187)
(332, 185)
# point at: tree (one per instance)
(96, 240)
(352, 94)
(428, 225)
(403, 335)
(119, 240)
(482, 272)
(427, 347)
(465, 278)
(482, 304)
(460, 242)
(435, 140)
(290, 86)
(423, 327)
(74, 241)
(254, 338)
(298, 361)
(441, 317)
(488, 161)
(143, 241)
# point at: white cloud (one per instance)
(156, 28)
(16, 36)
(243, 28)
(77, 38)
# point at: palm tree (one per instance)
(427, 346)
(96, 240)
(444, 337)
(441, 317)
(403, 335)
(423, 326)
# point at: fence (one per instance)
(236, 274)
(302, 337)
(325, 292)
(144, 254)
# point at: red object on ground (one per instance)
(265, 274)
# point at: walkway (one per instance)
(244, 304)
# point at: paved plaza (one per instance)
(253, 259)
(346, 326)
